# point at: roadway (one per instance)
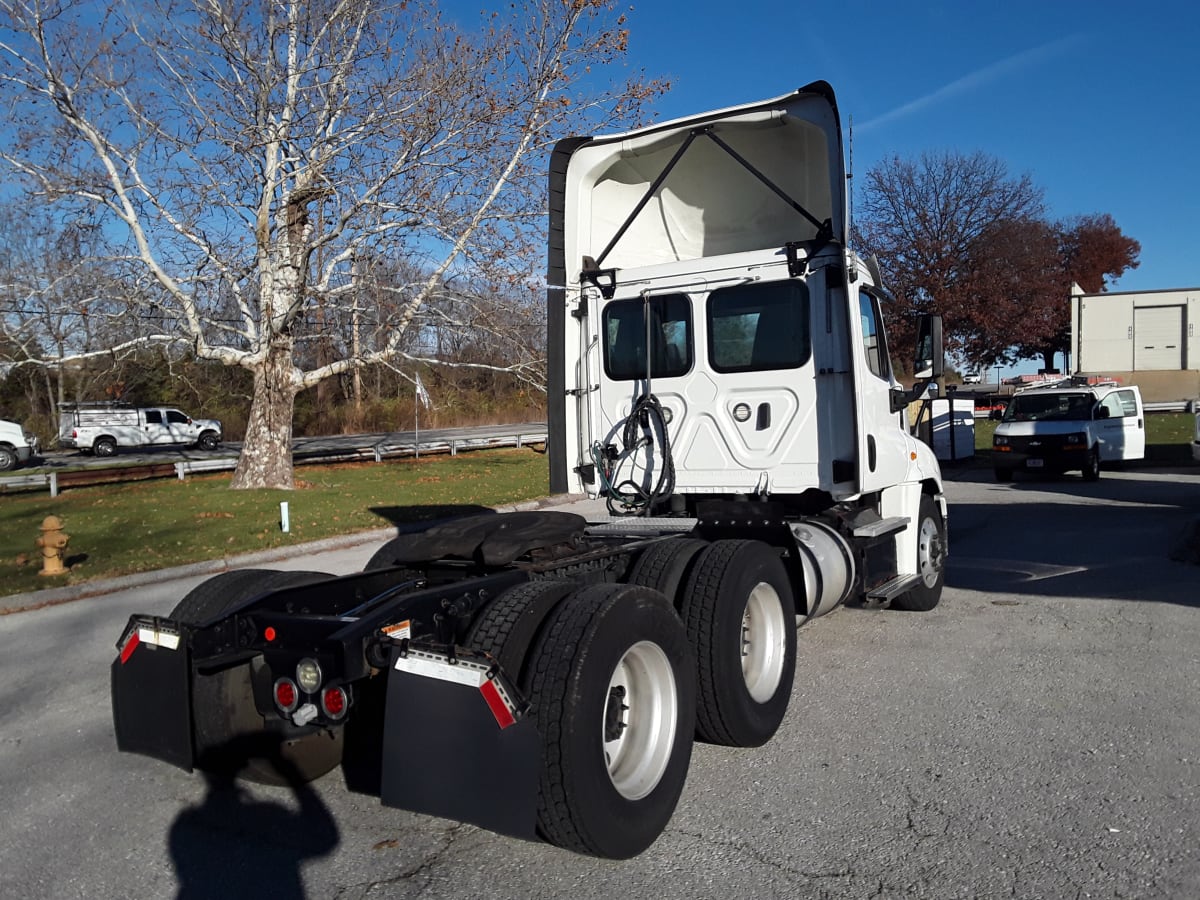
(1037, 735)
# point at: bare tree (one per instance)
(255, 151)
(924, 218)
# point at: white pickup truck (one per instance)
(102, 428)
(1066, 427)
(17, 446)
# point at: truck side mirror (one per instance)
(929, 361)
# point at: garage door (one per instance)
(1158, 337)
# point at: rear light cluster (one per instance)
(334, 700)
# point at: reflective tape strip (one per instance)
(497, 704)
(168, 640)
(442, 670)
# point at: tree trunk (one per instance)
(266, 460)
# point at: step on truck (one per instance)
(720, 376)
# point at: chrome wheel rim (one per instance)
(764, 642)
(929, 552)
(641, 716)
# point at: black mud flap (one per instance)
(456, 743)
(151, 696)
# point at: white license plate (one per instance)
(1034, 463)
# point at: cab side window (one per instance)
(175, 417)
(874, 342)
(153, 417)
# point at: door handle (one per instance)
(764, 417)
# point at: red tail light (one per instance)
(286, 694)
(334, 701)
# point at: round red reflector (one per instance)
(269, 633)
(334, 701)
(285, 694)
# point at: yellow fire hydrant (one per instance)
(53, 543)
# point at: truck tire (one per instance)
(1091, 466)
(225, 720)
(740, 615)
(612, 683)
(665, 565)
(931, 560)
(509, 625)
(105, 446)
(208, 441)
(8, 459)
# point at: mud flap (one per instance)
(456, 743)
(151, 695)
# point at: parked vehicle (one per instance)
(1057, 429)
(103, 428)
(972, 378)
(17, 446)
(719, 373)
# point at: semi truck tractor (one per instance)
(720, 377)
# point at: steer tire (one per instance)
(664, 566)
(208, 441)
(229, 733)
(1091, 465)
(611, 679)
(8, 459)
(740, 615)
(931, 560)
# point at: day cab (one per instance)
(1063, 428)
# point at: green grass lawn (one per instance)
(118, 529)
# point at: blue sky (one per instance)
(1098, 101)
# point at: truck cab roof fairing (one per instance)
(745, 178)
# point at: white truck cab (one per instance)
(1065, 427)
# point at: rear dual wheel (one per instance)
(740, 615)
(610, 675)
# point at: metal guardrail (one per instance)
(377, 451)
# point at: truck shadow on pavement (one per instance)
(237, 845)
(1064, 537)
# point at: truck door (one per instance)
(1122, 426)
(180, 429)
(154, 427)
(882, 450)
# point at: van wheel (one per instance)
(931, 560)
(230, 734)
(105, 447)
(1091, 466)
(612, 682)
(740, 615)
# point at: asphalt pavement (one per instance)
(1036, 735)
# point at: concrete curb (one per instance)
(17, 603)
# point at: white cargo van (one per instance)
(1075, 426)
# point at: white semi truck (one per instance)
(720, 375)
